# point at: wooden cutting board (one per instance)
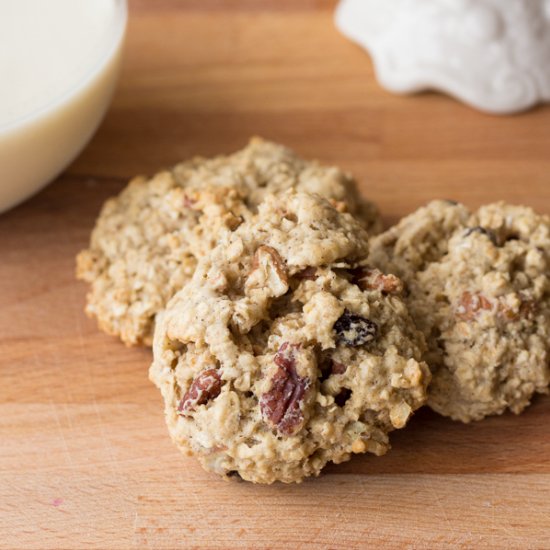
(85, 459)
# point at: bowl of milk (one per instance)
(59, 62)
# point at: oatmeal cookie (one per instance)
(479, 290)
(147, 240)
(286, 352)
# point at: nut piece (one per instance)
(400, 414)
(470, 305)
(354, 330)
(358, 446)
(341, 206)
(206, 386)
(374, 279)
(526, 310)
(281, 404)
(268, 270)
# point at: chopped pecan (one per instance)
(206, 386)
(281, 404)
(268, 269)
(526, 310)
(354, 330)
(268, 252)
(374, 279)
(471, 304)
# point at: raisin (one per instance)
(206, 386)
(483, 231)
(354, 330)
(281, 404)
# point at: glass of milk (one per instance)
(59, 61)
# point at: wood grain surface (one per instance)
(85, 458)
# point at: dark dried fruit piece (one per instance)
(374, 279)
(206, 386)
(470, 304)
(483, 231)
(281, 404)
(354, 330)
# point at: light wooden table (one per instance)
(85, 460)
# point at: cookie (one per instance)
(285, 352)
(147, 240)
(478, 289)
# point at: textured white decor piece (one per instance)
(491, 54)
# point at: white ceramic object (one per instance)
(59, 61)
(492, 54)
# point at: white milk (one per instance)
(58, 65)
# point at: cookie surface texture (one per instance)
(478, 288)
(147, 240)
